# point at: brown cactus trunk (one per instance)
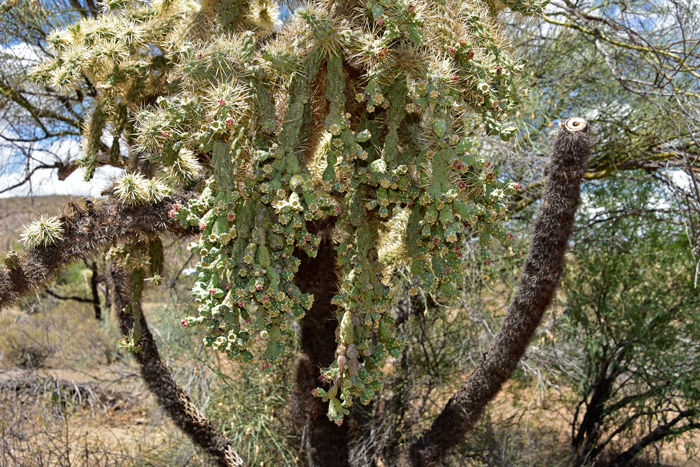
(325, 443)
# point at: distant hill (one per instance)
(18, 212)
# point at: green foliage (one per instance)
(406, 86)
(631, 320)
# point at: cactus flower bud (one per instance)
(228, 121)
(165, 134)
(452, 50)
(488, 262)
(184, 322)
(221, 102)
(265, 366)
(462, 185)
(381, 21)
(259, 287)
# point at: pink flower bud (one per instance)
(314, 392)
(488, 262)
(462, 185)
(259, 287)
(240, 303)
(339, 422)
(454, 78)
(517, 186)
(487, 164)
(452, 50)
(228, 121)
(184, 322)
(231, 217)
(411, 8)
(212, 291)
(436, 241)
(458, 165)
(202, 226)
(458, 248)
(176, 207)
(266, 299)
(265, 366)
(381, 21)
(165, 133)
(248, 321)
(221, 102)
(307, 238)
(509, 236)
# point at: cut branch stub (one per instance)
(538, 282)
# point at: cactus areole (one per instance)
(363, 112)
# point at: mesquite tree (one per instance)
(328, 163)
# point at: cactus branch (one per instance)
(87, 227)
(538, 282)
(171, 397)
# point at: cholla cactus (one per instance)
(360, 114)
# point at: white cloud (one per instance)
(46, 182)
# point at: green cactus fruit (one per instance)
(263, 256)
(440, 127)
(347, 331)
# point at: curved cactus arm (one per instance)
(538, 282)
(171, 397)
(84, 228)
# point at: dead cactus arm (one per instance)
(171, 397)
(538, 282)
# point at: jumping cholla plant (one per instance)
(353, 122)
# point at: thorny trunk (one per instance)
(325, 443)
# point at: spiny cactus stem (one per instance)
(86, 229)
(538, 282)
